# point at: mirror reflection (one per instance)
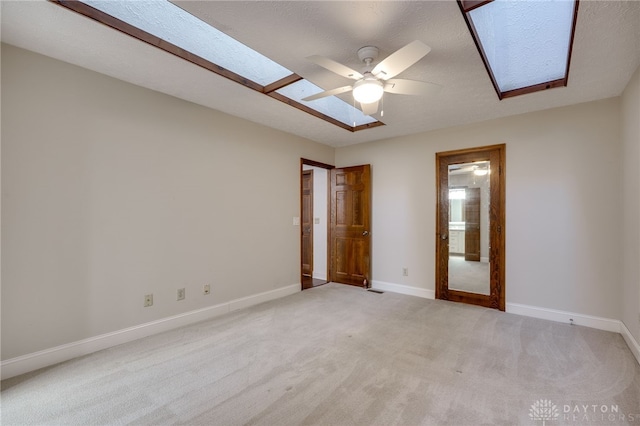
(469, 227)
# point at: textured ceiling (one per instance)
(606, 52)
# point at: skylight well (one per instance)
(168, 27)
(525, 45)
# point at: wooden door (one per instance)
(472, 224)
(495, 155)
(350, 226)
(306, 222)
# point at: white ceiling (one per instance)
(606, 52)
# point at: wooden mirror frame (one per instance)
(496, 154)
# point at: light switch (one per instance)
(316, 221)
(296, 221)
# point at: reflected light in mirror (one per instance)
(457, 194)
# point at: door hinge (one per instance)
(499, 229)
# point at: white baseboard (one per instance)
(565, 317)
(484, 260)
(403, 289)
(33, 361)
(631, 341)
(320, 276)
(254, 299)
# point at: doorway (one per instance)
(335, 219)
(470, 226)
(314, 222)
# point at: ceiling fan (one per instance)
(478, 168)
(372, 82)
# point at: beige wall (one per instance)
(111, 191)
(630, 205)
(563, 232)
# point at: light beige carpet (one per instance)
(339, 355)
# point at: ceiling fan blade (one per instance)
(328, 93)
(335, 67)
(369, 109)
(400, 60)
(411, 87)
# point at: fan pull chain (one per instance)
(354, 107)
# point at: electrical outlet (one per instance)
(405, 272)
(206, 289)
(148, 300)
(181, 294)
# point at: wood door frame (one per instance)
(497, 155)
(328, 167)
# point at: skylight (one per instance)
(169, 27)
(171, 23)
(526, 45)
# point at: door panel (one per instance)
(359, 248)
(340, 248)
(306, 223)
(350, 225)
(341, 208)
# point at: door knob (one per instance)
(365, 233)
(444, 236)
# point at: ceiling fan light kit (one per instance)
(368, 90)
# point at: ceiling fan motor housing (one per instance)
(368, 54)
